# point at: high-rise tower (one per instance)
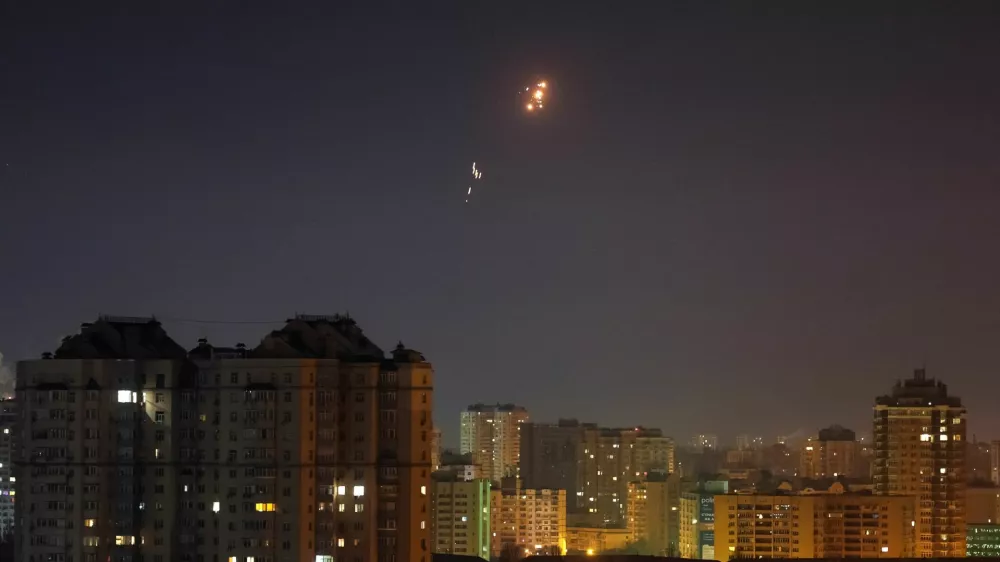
(920, 451)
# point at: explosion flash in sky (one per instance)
(476, 175)
(535, 97)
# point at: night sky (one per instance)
(739, 220)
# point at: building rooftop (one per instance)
(837, 433)
(919, 391)
(120, 337)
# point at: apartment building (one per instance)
(920, 433)
(8, 479)
(697, 519)
(529, 519)
(611, 458)
(492, 435)
(832, 526)
(653, 513)
(460, 515)
(830, 455)
(314, 445)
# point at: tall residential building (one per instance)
(920, 451)
(833, 454)
(530, 520)
(551, 457)
(832, 526)
(492, 433)
(611, 459)
(697, 520)
(8, 479)
(654, 512)
(311, 446)
(460, 516)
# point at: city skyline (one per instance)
(716, 208)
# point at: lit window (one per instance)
(359, 491)
(265, 507)
(124, 540)
(340, 542)
(126, 396)
(215, 507)
(464, 519)
(885, 549)
(13, 479)
(925, 436)
(423, 524)
(250, 559)
(423, 490)
(6, 430)
(341, 490)
(944, 429)
(944, 470)
(88, 522)
(358, 508)
(944, 437)
(232, 559)
(340, 508)
(185, 487)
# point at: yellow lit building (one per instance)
(830, 525)
(533, 520)
(920, 451)
(590, 540)
(653, 511)
(833, 454)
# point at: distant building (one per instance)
(653, 513)
(460, 516)
(8, 454)
(995, 462)
(595, 540)
(920, 450)
(697, 520)
(612, 457)
(705, 441)
(462, 466)
(552, 457)
(832, 454)
(529, 519)
(982, 540)
(492, 434)
(831, 526)
(313, 445)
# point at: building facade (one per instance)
(551, 457)
(596, 540)
(653, 514)
(832, 454)
(832, 526)
(613, 457)
(697, 520)
(312, 446)
(8, 454)
(920, 433)
(492, 435)
(530, 520)
(460, 516)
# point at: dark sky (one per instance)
(751, 219)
